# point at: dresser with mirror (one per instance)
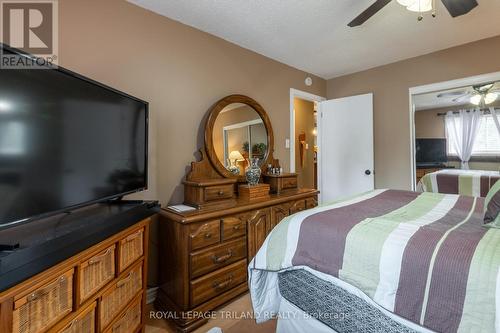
(205, 252)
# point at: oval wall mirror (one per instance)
(237, 132)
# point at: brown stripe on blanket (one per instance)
(450, 274)
(417, 257)
(447, 183)
(485, 185)
(323, 235)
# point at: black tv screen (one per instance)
(66, 141)
(431, 151)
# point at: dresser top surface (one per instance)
(241, 206)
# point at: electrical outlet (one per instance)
(287, 143)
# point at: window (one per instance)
(487, 140)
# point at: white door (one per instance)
(345, 143)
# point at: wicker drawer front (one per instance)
(233, 227)
(205, 261)
(96, 272)
(118, 296)
(205, 234)
(218, 282)
(45, 306)
(219, 192)
(131, 249)
(130, 320)
(83, 323)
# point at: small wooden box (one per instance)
(205, 193)
(283, 182)
(256, 192)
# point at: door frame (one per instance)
(428, 88)
(295, 93)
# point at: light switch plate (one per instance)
(287, 143)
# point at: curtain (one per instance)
(496, 118)
(462, 128)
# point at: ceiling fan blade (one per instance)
(369, 12)
(451, 94)
(463, 98)
(459, 7)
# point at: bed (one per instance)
(420, 261)
(474, 183)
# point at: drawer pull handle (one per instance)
(133, 236)
(223, 284)
(73, 323)
(222, 259)
(220, 193)
(41, 292)
(100, 258)
(237, 227)
(124, 281)
(208, 235)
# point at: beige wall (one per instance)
(304, 122)
(428, 125)
(390, 84)
(181, 71)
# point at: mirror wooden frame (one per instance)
(209, 126)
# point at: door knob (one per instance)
(368, 172)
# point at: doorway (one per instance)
(303, 137)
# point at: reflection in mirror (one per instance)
(239, 135)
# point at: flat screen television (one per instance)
(66, 141)
(431, 151)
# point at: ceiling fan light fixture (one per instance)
(490, 98)
(420, 6)
(476, 99)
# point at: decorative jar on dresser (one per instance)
(205, 253)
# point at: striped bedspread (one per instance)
(474, 183)
(424, 256)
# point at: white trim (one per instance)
(428, 88)
(295, 93)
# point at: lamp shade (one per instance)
(235, 155)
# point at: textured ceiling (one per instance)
(312, 35)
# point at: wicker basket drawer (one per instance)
(119, 295)
(45, 306)
(213, 258)
(130, 320)
(131, 249)
(215, 283)
(95, 272)
(84, 322)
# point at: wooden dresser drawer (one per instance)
(289, 183)
(311, 203)
(119, 295)
(95, 272)
(84, 322)
(130, 249)
(208, 260)
(205, 234)
(219, 192)
(233, 227)
(218, 282)
(298, 206)
(130, 320)
(42, 308)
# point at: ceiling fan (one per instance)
(454, 7)
(483, 94)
